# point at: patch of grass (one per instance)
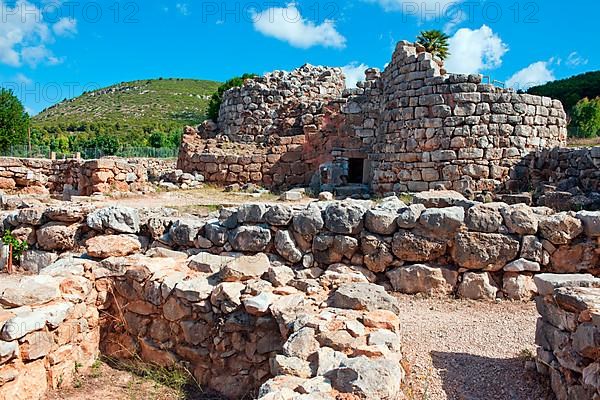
(526, 355)
(177, 378)
(96, 369)
(406, 198)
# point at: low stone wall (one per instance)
(216, 317)
(80, 177)
(568, 335)
(567, 169)
(441, 243)
(49, 329)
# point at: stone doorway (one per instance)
(356, 170)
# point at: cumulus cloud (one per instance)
(475, 50)
(535, 74)
(65, 27)
(288, 25)
(354, 73)
(575, 60)
(24, 34)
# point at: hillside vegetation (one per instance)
(571, 90)
(129, 114)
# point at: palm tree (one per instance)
(435, 42)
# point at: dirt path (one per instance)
(461, 350)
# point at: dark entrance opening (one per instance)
(356, 167)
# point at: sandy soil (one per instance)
(464, 350)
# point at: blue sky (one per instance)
(50, 49)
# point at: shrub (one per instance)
(217, 98)
(586, 118)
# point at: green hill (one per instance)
(572, 89)
(124, 115)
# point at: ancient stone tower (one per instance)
(411, 127)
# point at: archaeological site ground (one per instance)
(423, 236)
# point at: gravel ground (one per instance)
(463, 350)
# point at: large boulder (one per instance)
(67, 214)
(477, 286)
(286, 247)
(382, 219)
(408, 246)
(423, 279)
(520, 219)
(408, 217)
(364, 296)
(331, 249)
(249, 238)
(485, 217)
(18, 291)
(112, 246)
(251, 213)
(216, 233)
(279, 215)
(309, 221)
(546, 283)
(36, 260)
(56, 236)
(442, 222)
(439, 198)
(485, 251)
(376, 379)
(245, 268)
(344, 217)
(377, 253)
(116, 218)
(184, 232)
(560, 228)
(591, 222)
(518, 286)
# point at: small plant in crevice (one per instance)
(18, 246)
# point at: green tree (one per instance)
(217, 98)
(586, 118)
(14, 121)
(435, 42)
(158, 140)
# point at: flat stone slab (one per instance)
(18, 291)
(546, 283)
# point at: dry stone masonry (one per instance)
(287, 300)
(82, 177)
(568, 335)
(412, 127)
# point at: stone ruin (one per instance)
(288, 302)
(412, 127)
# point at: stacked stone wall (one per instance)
(568, 336)
(75, 176)
(49, 329)
(453, 130)
(453, 244)
(416, 127)
(575, 170)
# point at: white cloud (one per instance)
(65, 27)
(424, 8)
(475, 50)
(24, 35)
(575, 60)
(288, 25)
(183, 9)
(354, 72)
(537, 73)
(22, 79)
